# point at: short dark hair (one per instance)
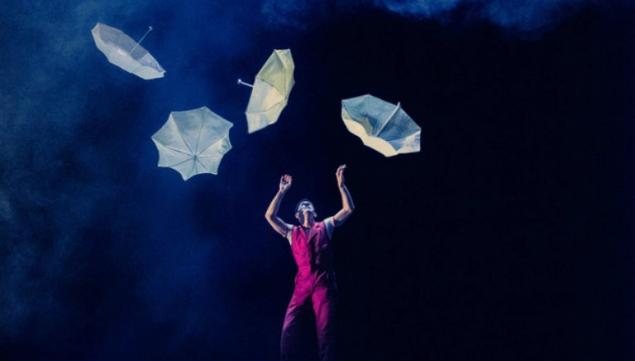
(297, 206)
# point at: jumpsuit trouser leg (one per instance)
(323, 299)
(291, 327)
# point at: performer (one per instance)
(315, 281)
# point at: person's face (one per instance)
(305, 209)
(306, 206)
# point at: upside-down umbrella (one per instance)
(126, 53)
(270, 91)
(193, 142)
(382, 126)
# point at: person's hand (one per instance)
(339, 174)
(285, 183)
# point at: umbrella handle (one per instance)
(141, 39)
(241, 82)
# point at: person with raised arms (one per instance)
(315, 284)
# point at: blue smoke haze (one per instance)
(517, 15)
(63, 154)
(520, 15)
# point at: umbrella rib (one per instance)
(179, 163)
(207, 156)
(181, 136)
(194, 167)
(209, 146)
(392, 114)
(266, 111)
(176, 150)
(198, 138)
(268, 83)
(202, 165)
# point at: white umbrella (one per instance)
(193, 142)
(270, 91)
(382, 126)
(126, 53)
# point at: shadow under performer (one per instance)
(315, 280)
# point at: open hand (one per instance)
(339, 174)
(285, 183)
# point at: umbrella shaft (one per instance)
(140, 40)
(245, 84)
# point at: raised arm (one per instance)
(271, 215)
(347, 202)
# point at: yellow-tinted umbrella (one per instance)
(270, 91)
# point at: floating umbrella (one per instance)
(382, 126)
(193, 142)
(126, 53)
(270, 91)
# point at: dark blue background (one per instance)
(506, 238)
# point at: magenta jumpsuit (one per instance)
(314, 286)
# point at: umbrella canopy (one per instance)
(126, 53)
(193, 142)
(270, 91)
(382, 126)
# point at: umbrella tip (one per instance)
(150, 27)
(241, 82)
